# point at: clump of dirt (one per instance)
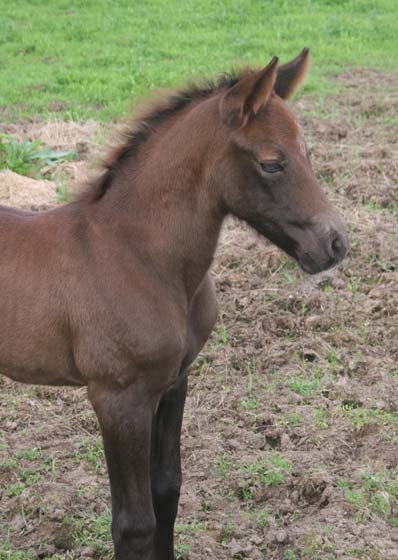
(24, 192)
(291, 428)
(58, 135)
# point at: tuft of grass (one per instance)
(219, 337)
(29, 467)
(183, 532)
(7, 554)
(373, 494)
(361, 416)
(322, 418)
(92, 531)
(262, 518)
(249, 401)
(289, 554)
(269, 472)
(91, 450)
(29, 157)
(304, 386)
(226, 533)
(223, 465)
(63, 192)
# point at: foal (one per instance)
(112, 291)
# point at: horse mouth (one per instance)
(312, 266)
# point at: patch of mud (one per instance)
(291, 428)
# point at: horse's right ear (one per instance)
(247, 96)
(291, 74)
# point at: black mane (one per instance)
(139, 131)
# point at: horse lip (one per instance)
(312, 266)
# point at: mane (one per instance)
(139, 129)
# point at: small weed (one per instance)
(360, 416)
(321, 418)
(291, 419)
(309, 545)
(304, 386)
(27, 158)
(191, 528)
(262, 519)
(182, 548)
(183, 531)
(223, 466)
(63, 193)
(231, 495)
(94, 532)
(333, 361)
(373, 494)
(271, 472)
(7, 554)
(226, 533)
(249, 403)
(16, 489)
(220, 337)
(200, 365)
(289, 554)
(91, 451)
(356, 552)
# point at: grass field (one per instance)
(79, 59)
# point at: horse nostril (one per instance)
(338, 247)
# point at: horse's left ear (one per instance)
(291, 74)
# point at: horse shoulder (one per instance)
(201, 318)
(119, 341)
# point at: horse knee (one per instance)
(167, 489)
(133, 538)
(166, 494)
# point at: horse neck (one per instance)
(165, 198)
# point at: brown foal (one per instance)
(112, 291)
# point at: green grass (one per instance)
(28, 158)
(372, 494)
(262, 518)
(7, 554)
(183, 533)
(29, 467)
(271, 472)
(88, 59)
(362, 416)
(91, 450)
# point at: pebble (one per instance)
(87, 552)
(281, 536)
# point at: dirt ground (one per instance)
(290, 442)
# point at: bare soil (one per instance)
(290, 442)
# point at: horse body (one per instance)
(112, 291)
(78, 305)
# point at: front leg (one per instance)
(166, 467)
(166, 434)
(125, 417)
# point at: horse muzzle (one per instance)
(323, 252)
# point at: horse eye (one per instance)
(271, 167)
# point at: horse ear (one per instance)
(290, 75)
(248, 95)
